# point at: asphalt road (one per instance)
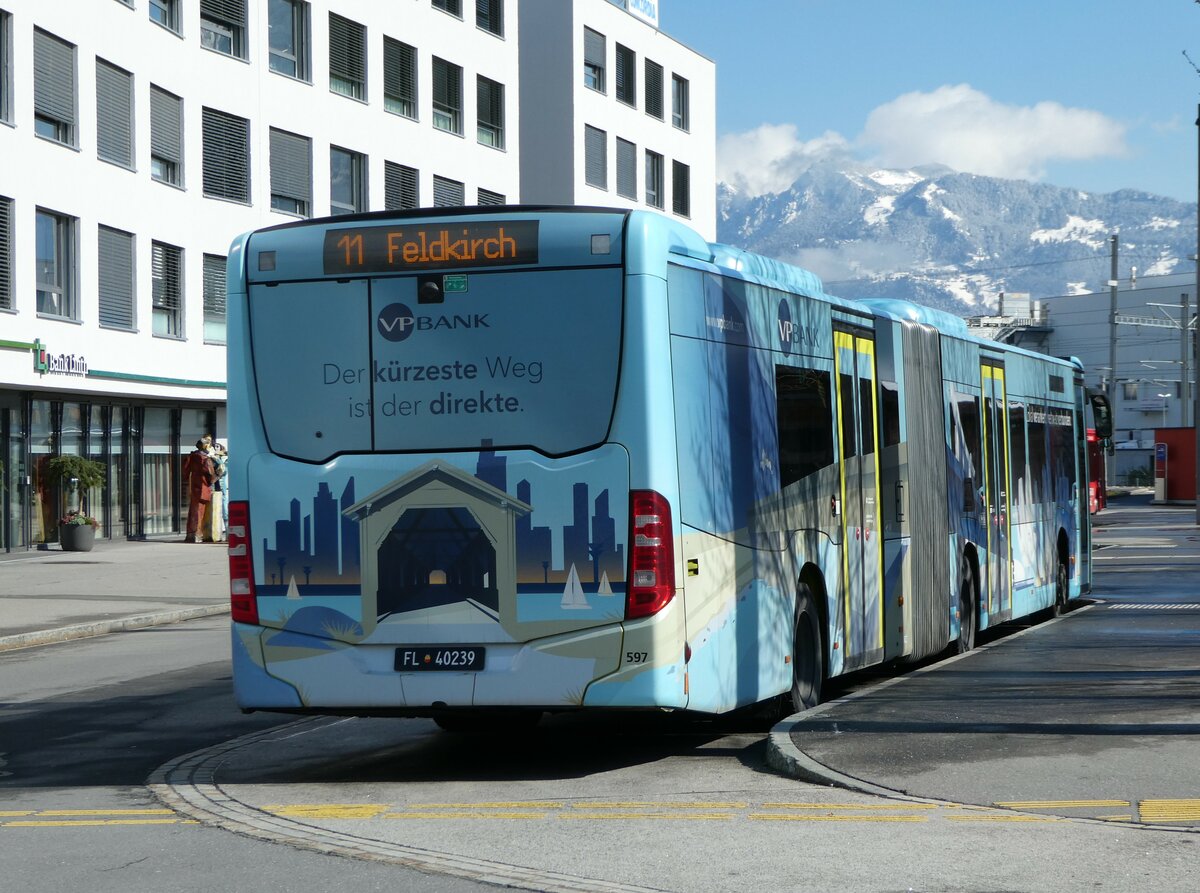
(1095, 714)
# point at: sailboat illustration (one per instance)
(293, 591)
(605, 587)
(573, 598)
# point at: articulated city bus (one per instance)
(545, 459)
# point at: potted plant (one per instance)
(77, 529)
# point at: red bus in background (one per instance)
(1097, 486)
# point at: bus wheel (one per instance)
(1061, 589)
(808, 652)
(966, 609)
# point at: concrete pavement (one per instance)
(53, 596)
(1094, 715)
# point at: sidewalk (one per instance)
(54, 596)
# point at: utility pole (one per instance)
(1109, 464)
(1185, 353)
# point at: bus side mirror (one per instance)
(1102, 414)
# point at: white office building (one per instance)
(615, 112)
(138, 137)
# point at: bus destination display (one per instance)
(423, 246)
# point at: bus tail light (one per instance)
(651, 581)
(243, 603)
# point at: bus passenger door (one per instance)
(862, 526)
(997, 489)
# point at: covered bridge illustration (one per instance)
(438, 537)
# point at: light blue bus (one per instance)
(542, 459)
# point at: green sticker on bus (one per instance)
(454, 284)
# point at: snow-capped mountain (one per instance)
(956, 241)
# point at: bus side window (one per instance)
(889, 414)
(804, 415)
(1016, 436)
(1037, 451)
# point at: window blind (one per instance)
(400, 190)
(348, 53)
(114, 113)
(166, 126)
(226, 156)
(53, 77)
(115, 263)
(448, 193)
(291, 166)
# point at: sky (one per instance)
(1094, 95)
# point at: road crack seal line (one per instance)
(188, 785)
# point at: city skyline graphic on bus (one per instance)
(436, 551)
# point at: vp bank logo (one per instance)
(395, 322)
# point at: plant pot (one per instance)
(77, 537)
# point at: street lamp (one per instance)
(1164, 408)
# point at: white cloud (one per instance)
(969, 131)
(957, 126)
(771, 157)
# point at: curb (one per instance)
(104, 627)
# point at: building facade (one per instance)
(615, 112)
(1154, 338)
(139, 137)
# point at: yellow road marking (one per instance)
(464, 815)
(79, 823)
(849, 806)
(533, 804)
(15, 812)
(1169, 810)
(81, 812)
(670, 816)
(785, 817)
(669, 804)
(329, 810)
(1004, 818)
(1061, 804)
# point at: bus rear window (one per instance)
(523, 358)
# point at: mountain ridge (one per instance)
(956, 240)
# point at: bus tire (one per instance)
(967, 622)
(808, 652)
(1062, 589)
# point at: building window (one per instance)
(489, 15)
(223, 26)
(291, 173)
(454, 7)
(115, 268)
(226, 156)
(681, 189)
(593, 59)
(487, 197)
(56, 270)
(490, 112)
(400, 189)
(626, 169)
(5, 66)
(347, 57)
(448, 193)
(166, 274)
(214, 299)
(399, 78)
(53, 88)
(654, 179)
(347, 181)
(626, 75)
(680, 116)
(166, 13)
(166, 136)
(114, 114)
(1129, 390)
(447, 96)
(6, 253)
(287, 26)
(654, 90)
(595, 155)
